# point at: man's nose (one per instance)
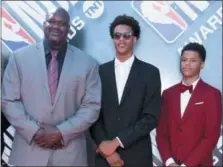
(121, 37)
(187, 62)
(56, 26)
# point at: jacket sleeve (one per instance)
(97, 130)
(162, 136)
(12, 105)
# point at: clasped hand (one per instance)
(48, 137)
(108, 150)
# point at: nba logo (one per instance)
(161, 18)
(13, 35)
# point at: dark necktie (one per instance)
(184, 88)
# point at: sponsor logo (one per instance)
(93, 9)
(169, 19)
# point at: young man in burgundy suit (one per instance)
(190, 121)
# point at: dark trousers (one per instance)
(4, 126)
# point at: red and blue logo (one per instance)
(170, 19)
(13, 34)
(162, 18)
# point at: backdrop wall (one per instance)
(166, 27)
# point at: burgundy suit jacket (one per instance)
(190, 140)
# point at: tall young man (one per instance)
(131, 98)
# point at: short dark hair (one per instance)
(125, 20)
(196, 47)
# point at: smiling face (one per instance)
(123, 39)
(191, 64)
(56, 27)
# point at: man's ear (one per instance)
(202, 65)
(45, 23)
(134, 39)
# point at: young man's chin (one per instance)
(189, 76)
(123, 52)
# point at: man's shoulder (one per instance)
(80, 54)
(75, 49)
(147, 66)
(106, 64)
(209, 88)
(24, 52)
(28, 48)
(143, 66)
(171, 89)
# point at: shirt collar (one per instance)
(194, 83)
(127, 63)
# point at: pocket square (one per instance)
(198, 103)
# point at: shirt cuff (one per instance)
(183, 165)
(62, 142)
(121, 145)
(169, 161)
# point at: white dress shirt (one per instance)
(122, 70)
(184, 99)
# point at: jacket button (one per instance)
(180, 129)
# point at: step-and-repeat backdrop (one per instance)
(166, 27)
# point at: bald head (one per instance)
(61, 12)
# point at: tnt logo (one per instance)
(93, 9)
(13, 35)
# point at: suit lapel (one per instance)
(197, 93)
(43, 69)
(112, 80)
(176, 104)
(132, 78)
(67, 65)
